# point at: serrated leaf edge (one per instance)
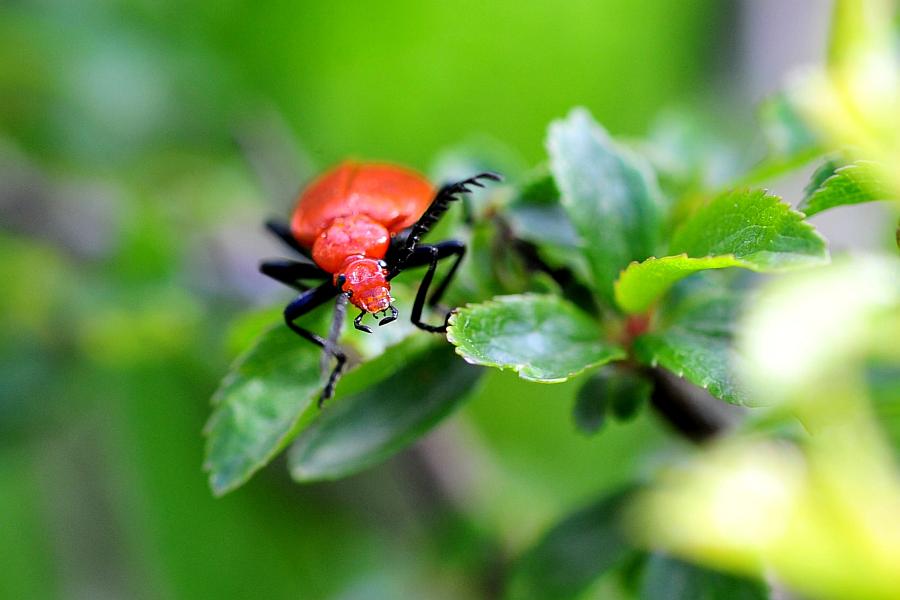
(215, 401)
(704, 383)
(802, 222)
(823, 187)
(518, 368)
(635, 263)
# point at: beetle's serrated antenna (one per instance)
(334, 333)
(445, 195)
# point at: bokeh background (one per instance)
(142, 144)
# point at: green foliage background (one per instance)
(129, 234)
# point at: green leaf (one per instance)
(259, 406)
(745, 228)
(542, 224)
(591, 406)
(610, 195)
(757, 228)
(367, 427)
(271, 391)
(573, 554)
(536, 215)
(542, 338)
(613, 390)
(540, 189)
(694, 340)
(687, 154)
(641, 284)
(821, 174)
(833, 185)
(671, 579)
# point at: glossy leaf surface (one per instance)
(365, 428)
(542, 338)
(610, 195)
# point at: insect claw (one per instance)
(393, 317)
(357, 323)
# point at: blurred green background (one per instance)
(142, 144)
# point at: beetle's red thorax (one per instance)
(355, 235)
(352, 247)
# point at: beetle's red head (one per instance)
(366, 281)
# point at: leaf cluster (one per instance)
(589, 268)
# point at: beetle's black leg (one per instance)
(438, 207)
(421, 258)
(290, 272)
(304, 303)
(357, 322)
(283, 232)
(430, 255)
(573, 289)
(398, 246)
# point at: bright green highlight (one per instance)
(641, 284)
(745, 228)
(855, 183)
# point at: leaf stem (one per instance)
(688, 409)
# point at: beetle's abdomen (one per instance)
(394, 196)
(356, 235)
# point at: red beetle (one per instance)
(359, 225)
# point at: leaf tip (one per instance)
(220, 487)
